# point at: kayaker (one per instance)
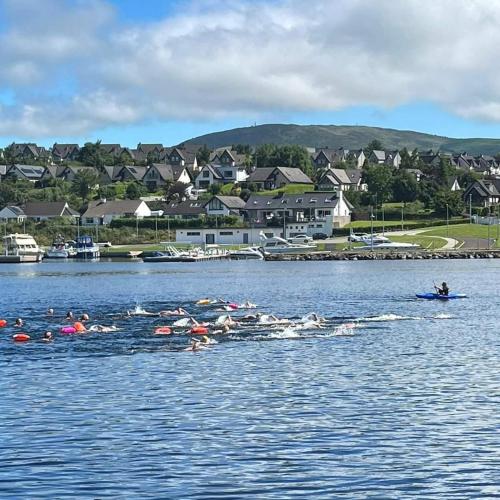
(444, 290)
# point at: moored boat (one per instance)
(86, 249)
(19, 248)
(248, 253)
(277, 245)
(60, 250)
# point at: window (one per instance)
(228, 173)
(206, 173)
(298, 200)
(193, 233)
(89, 220)
(226, 233)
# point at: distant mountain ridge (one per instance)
(347, 136)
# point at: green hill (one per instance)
(350, 137)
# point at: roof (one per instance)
(231, 202)
(18, 211)
(136, 172)
(294, 175)
(339, 174)
(101, 208)
(216, 174)
(484, 188)
(167, 171)
(260, 174)
(380, 155)
(187, 207)
(314, 199)
(149, 148)
(30, 171)
(113, 171)
(48, 209)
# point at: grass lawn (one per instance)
(426, 242)
(394, 224)
(461, 231)
(290, 189)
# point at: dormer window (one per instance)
(298, 200)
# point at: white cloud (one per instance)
(242, 58)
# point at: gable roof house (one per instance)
(103, 212)
(225, 205)
(483, 192)
(12, 213)
(159, 174)
(314, 207)
(44, 210)
(69, 172)
(327, 158)
(487, 165)
(186, 209)
(27, 151)
(32, 173)
(65, 152)
(207, 176)
(343, 180)
(274, 178)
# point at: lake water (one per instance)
(404, 403)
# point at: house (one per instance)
(228, 157)
(328, 158)
(207, 176)
(103, 212)
(357, 157)
(180, 157)
(314, 206)
(341, 180)
(416, 172)
(390, 158)
(487, 165)
(52, 172)
(110, 174)
(454, 185)
(160, 174)
(44, 210)
(69, 172)
(132, 173)
(430, 158)
(28, 152)
(32, 173)
(12, 213)
(274, 178)
(225, 236)
(225, 205)
(65, 152)
(483, 192)
(186, 209)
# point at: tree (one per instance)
(446, 200)
(134, 191)
(445, 172)
(214, 189)
(270, 155)
(379, 180)
(92, 154)
(406, 159)
(404, 187)
(176, 191)
(372, 146)
(84, 183)
(203, 155)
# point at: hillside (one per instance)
(351, 137)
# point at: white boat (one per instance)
(19, 248)
(86, 249)
(277, 245)
(248, 253)
(60, 250)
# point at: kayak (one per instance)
(432, 296)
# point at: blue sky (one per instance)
(163, 71)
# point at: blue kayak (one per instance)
(432, 296)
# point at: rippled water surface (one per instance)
(394, 398)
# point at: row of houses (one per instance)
(308, 208)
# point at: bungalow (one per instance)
(103, 212)
(342, 180)
(44, 210)
(160, 174)
(483, 192)
(225, 205)
(32, 173)
(273, 178)
(187, 209)
(308, 207)
(65, 152)
(69, 172)
(12, 213)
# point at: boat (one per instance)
(389, 245)
(277, 245)
(86, 249)
(437, 296)
(18, 248)
(60, 250)
(171, 254)
(248, 253)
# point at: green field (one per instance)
(378, 224)
(461, 231)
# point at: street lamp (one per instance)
(371, 217)
(470, 208)
(447, 221)
(402, 217)
(156, 213)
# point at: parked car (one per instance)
(320, 236)
(300, 238)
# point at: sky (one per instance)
(129, 71)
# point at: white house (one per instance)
(226, 236)
(225, 205)
(220, 174)
(103, 212)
